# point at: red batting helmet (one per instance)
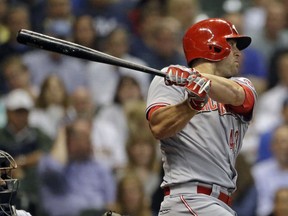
(207, 39)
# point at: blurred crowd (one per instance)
(78, 130)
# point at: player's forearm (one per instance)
(225, 91)
(167, 121)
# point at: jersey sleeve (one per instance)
(247, 107)
(159, 95)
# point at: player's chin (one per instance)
(232, 73)
(235, 71)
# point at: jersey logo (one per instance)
(234, 137)
(213, 106)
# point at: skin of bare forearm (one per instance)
(225, 91)
(167, 121)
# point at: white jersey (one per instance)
(22, 213)
(205, 149)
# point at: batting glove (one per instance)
(198, 88)
(178, 75)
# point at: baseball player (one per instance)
(8, 187)
(200, 115)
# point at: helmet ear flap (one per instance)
(219, 50)
(215, 49)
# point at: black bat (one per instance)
(45, 42)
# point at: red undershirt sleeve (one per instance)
(152, 110)
(248, 104)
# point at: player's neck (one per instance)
(206, 67)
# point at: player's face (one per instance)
(3, 172)
(280, 145)
(229, 66)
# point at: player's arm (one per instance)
(166, 121)
(222, 90)
(226, 91)
(238, 97)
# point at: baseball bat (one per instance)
(45, 42)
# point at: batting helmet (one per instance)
(207, 39)
(8, 185)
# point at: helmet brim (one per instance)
(242, 41)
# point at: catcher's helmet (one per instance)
(8, 185)
(207, 39)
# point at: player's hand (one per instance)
(178, 75)
(198, 88)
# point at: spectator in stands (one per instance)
(280, 202)
(131, 198)
(108, 15)
(145, 15)
(37, 10)
(165, 44)
(42, 63)
(273, 34)
(272, 174)
(110, 129)
(56, 11)
(84, 33)
(143, 159)
(256, 11)
(103, 78)
(17, 75)
(26, 144)
(268, 110)
(17, 17)
(72, 180)
(135, 114)
(272, 77)
(187, 12)
(264, 148)
(245, 197)
(81, 105)
(51, 106)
